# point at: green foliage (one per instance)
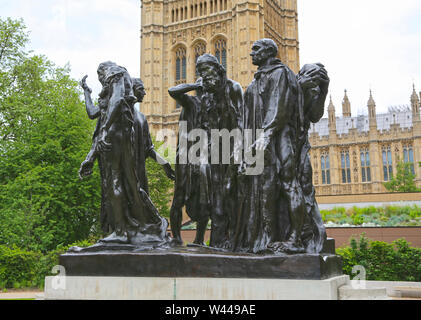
(160, 186)
(383, 261)
(44, 136)
(380, 216)
(17, 268)
(28, 269)
(404, 180)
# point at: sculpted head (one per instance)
(262, 50)
(138, 89)
(309, 78)
(211, 72)
(102, 70)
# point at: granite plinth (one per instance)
(200, 262)
(136, 288)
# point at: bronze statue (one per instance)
(272, 207)
(270, 213)
(314, 82)
(121, 143)
(205, 186)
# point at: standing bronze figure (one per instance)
(274, 207)
(121, 143)
(205, 186)
(314, 82)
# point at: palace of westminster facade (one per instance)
(350, 155)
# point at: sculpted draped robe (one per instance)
(126, 208)
(274, 102)
(271, 104)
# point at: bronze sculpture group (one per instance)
(273, 211)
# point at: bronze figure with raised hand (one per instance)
(121, 143)
(203, 186)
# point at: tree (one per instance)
(160, 187)
(44, 136)
(404, 180)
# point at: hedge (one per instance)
(27, 269)
(396, 261)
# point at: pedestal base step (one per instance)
(200, 262)
(128, 288)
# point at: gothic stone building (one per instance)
(176, 32)
(350, 155)
(356, 155)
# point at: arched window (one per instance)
(221, 52)
(325, 168)
(387, 163)
(199, 49)
(180, 66)
(346, 167)
(365, 165)
(408, 157)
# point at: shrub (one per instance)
(28, 269)
(382, 216)
(383, 261)
(17, 267)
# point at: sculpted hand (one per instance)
(102, 145)
(199, 83)
(84, 85)
(86, 169)
(261, 144)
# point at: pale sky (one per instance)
(363, 43)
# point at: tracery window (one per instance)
(325, 166)
(221, 52)
(408, 156)
(199, 50)
(346, 167)
(365, 165)
(387, 163)
(180, 66)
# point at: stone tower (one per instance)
(332, 117)
(346, 106)
(371, 105)
(415, 105)
(174, 33)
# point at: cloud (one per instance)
(82, 33)
(364, 44)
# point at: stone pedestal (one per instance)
(200, 262)
(133, 288)
(194, 273)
